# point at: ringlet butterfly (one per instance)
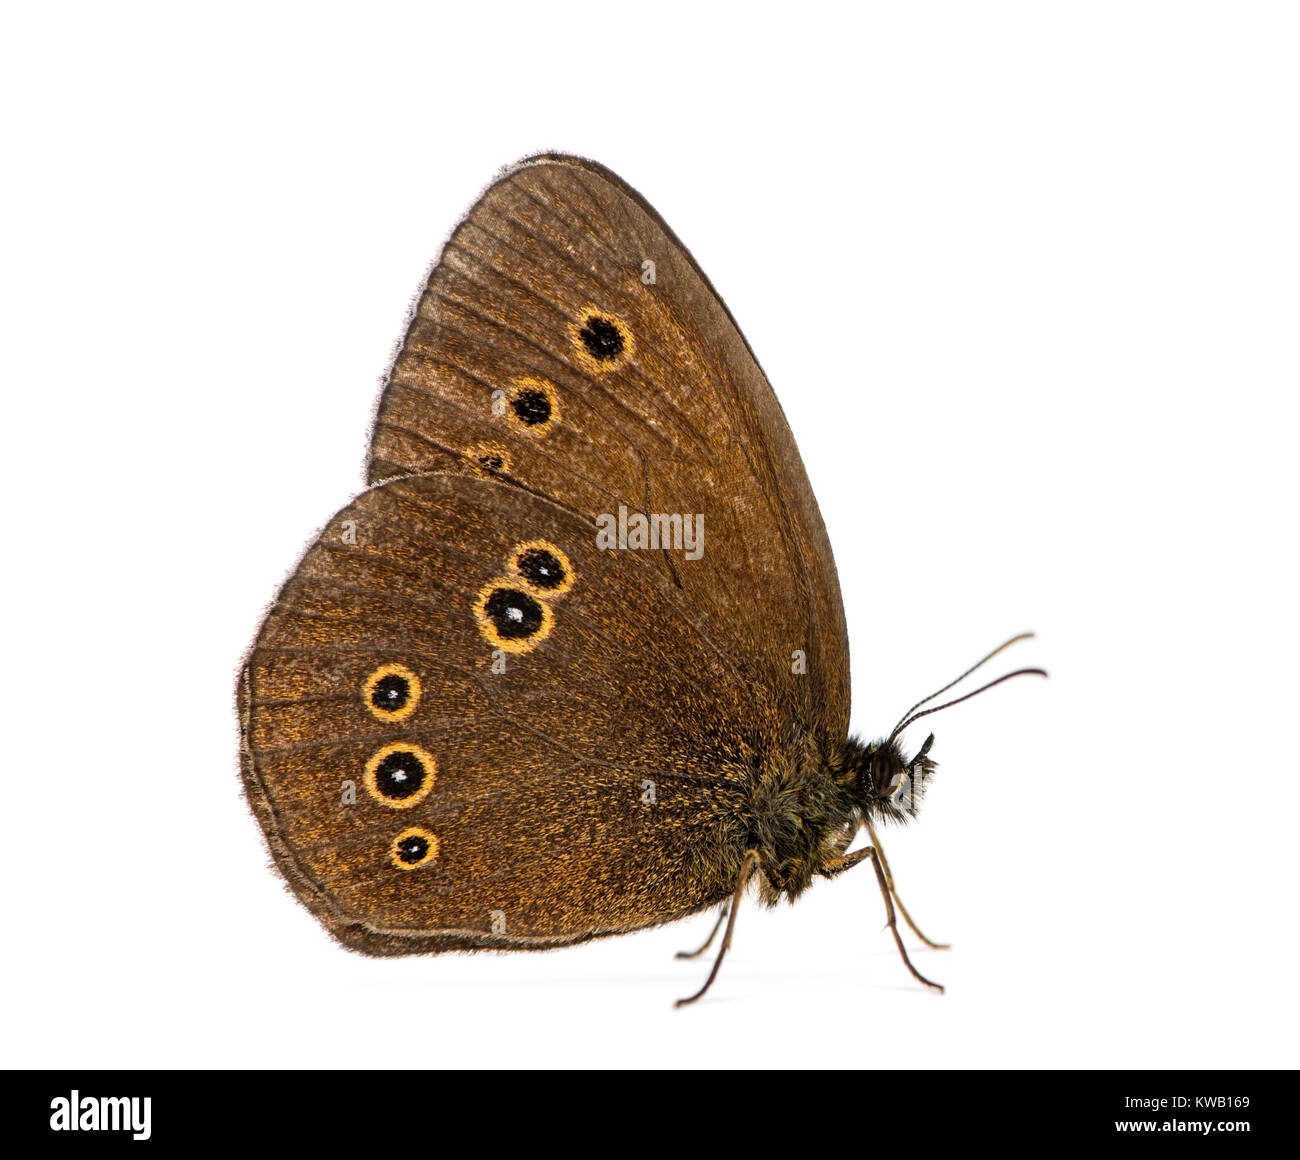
(575, 664)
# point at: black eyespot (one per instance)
(391, 693)
(532, 406)
(413, 847)
(400, 775)
(514, 614)
(484, 458)
(509, 614)
(542, 568)
(602, 338)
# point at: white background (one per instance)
(1024, 277)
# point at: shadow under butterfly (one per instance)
(576, 663)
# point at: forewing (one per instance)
(567, 341)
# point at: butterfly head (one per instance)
(887, 784)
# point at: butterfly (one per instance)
(575, 663)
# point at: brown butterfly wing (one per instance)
(591, 787)
(495, 375)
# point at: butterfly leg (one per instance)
(907, 918)
(746, 871)
(893, 923)
(836, 866)
(848, 861)
(708, 942)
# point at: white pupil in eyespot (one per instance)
(515, 613)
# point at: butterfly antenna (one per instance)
(908, 718)
(967, 697)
